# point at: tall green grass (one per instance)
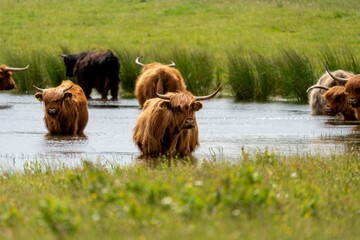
(248, 76)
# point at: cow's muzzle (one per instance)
(189, 123)
(52, 111)
(329, 110)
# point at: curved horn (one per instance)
(138, 62)
(68, 88)
(63, 55)
(162, 96)
(39, 89)
(339, 79)
(172, 64)
(14, 69)
(208, 96)
(317, 86)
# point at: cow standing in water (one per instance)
(6, 80)
(164, 77)
(99, 70)
(65, 107)
(316, 99)
(167, 124)
(336, 101)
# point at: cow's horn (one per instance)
(208, 96)
(63, 55)
(138, 62)
(39, 89)
(68, 88)
(162, 96)
(339, 79)
(317, 86)
(172, 64)
(14, 69)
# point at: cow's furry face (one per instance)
(6, 80)
(336, 100)
(352, 89)
(53, 100)
(183, 107)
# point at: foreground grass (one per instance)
(263, 196)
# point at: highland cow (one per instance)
(65, 107)
(337, 102)
(6, 80)
(316, 99)
(167, 124)
(164, 77)
(99, 70)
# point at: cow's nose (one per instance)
(189, 123)
(52, 111)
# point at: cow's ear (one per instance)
(197, 106)
(67, 96)
(39, 96)
(165, 104)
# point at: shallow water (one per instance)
(225, 127)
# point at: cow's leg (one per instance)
(114, 87)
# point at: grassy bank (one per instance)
(281, 45)
(264, 195)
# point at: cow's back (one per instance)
(165, 78)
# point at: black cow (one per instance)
(99, 70)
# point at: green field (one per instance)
(35, 32)
(263, 196)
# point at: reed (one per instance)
(128, 71)
(241, 77)
(297, 74)
(198, 69)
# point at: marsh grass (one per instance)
(341, 58)
(297, 74)
(316, 193)
(241, 75)
(197, 67)
(129, 71)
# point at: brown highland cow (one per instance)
(6, 80)
(337, 102)
(316, 99)
(164, 77)
(65, 107)
(167, 124)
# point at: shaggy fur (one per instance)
(165, 78)
(99, 70)
(352, 89)
(6, 80)
(316, 100)
(65, 113)
(337, 102)
(168, 126)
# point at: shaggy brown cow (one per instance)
(337, 102)
(6, 80)
(167, 124)
(99, 70)
(166, 78)
(352, 89)
(66, 110)
(316, 100)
